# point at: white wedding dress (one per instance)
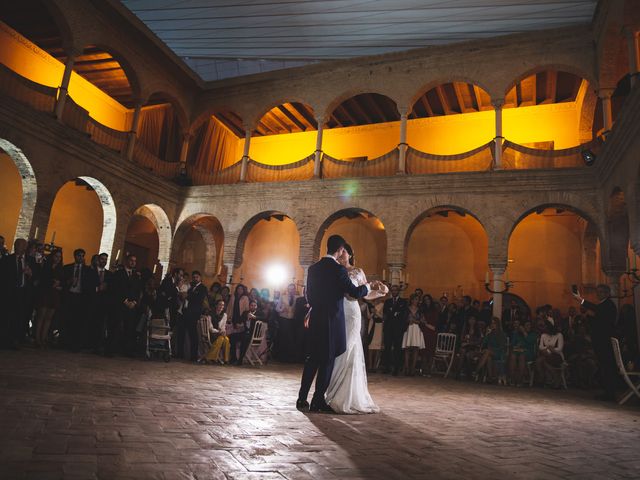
(348, 391)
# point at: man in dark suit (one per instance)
(393, 327)
(602, 326)
(16, 283)
(100, 301)
(192, 311)
(79, 286)
(327, 284)
(169, 295)
(509, 315)
(127, 290)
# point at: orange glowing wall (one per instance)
(368, 239)
(270, 242)
(448, 255)
(76, 218)
(26, 59)
(546, 250)
(11, 188)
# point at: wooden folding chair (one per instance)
(254, 349)
(633, 389)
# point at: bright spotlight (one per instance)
(276, 274)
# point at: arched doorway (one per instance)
(19, 192)
(197, 245)
(447, 254)
(547, 251)
(364, 232)
(267, 255)
(149, 238)
(83, 215)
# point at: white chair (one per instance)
(257, 337)
(625, 374)
(158, 338)
(445, 351)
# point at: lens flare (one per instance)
(276, 274)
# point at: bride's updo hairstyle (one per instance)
(349, 250)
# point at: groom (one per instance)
(327, 284)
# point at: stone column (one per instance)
(245, 154)
(133, 132)
(395, 272)
(607, 118)
(64, 86)
(634, 61)
(229, 279)
(184, 150)
(305, 274)
(317, 161)
(497, 285)
(402, 146)
(497, 105)
(613, 280)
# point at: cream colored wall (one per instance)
(448, 255)
(192, 253)
(10, 199)
(368, 239)
(143, 233)
(76, 219)
(547, 258)
(26, 59)
(270, 243)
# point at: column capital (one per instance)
(404, 112)
(605, 93)
(497, 268)
(497, 103)
(320, 120)
(396, 266)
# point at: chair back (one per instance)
(158, 326)
(445, 343)
(258, 333)
(618, 356)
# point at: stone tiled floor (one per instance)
(85, 417)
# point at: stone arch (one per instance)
(442, 81)
(246, 228)
(212, 233)
(160, 220)
(558, 205)
(29, 188)
(202, 115)
(353, 92)
(576, 70)
(267, 106)
(109, 213)
(181, 112)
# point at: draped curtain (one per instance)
(159, 132)
(213, 147)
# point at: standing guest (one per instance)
(169, 295)
(265, 295)
(16, 282)
(3, 248)
(194, 306)
(221, 342)
(205, 330)
(49, 298)
(79, 284)
(519, 351)
(181, 326)
(127, 294)
(485, 313)
(286, 312)
(374, 335)
(394, 325)
(413, 340)
(509, 315)
(238, 304)
(242, 336)
(470, 342)
(602, 328)
(300, 310)
(429, 331)
(100, 301)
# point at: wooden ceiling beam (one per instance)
(378, 110)
(300, 124)
(234, 125)
(286, 126)
(360, 110)
(511, 99)
(425, 103)
(551, 87)
(460, 96)
(443, 100)
(477, 93)
(333, 118)
(305, 113)
(346, 113)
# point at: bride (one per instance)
(347, 391)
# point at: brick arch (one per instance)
(443, 80)
(201, 115)
(576, 70)
(213, 250)
(29, 187)
(156, 215)
(352, 92)
(266, 106)
(181, 112)
(430, 211)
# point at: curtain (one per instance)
(519, 157)
(383, 166)
(301, 170)
(475, 160)
(213, 147)
(159, 132)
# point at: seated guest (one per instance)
(242, 335)
(550, 355)
(50, 294)
(581, 359)
(221, 341)
(3, 248)
(523, 343)
(214, 293)
(493, 349)
(470, 343)
(413, 340)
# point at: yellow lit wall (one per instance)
(270, 242)
(367, 140)
(368, 239)
(448, 255)
(546, 251)
(558, 122)
(76, 217)
(26, 59)
(280, 149)
(11, 188)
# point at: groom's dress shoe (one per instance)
(302, 405)
(320, 407)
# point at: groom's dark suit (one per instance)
(327, 284)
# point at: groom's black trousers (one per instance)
(321, 370)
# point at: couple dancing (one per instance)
(336, 357)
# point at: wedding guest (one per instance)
(242, 336)
(393, 330)
(3, 248)
(225, 294)
(195, 305)
(429, 331)
(101, 301)
(300, 310)
(470, 342)
(510, 315)
(286, 313)
(493, 349)
(581, 359)
(374, 334)
(214, 293)
(221, 341)
(413, 340)
(50, 295)
(205, 330)
(169, 295)
(181, 326)
(238, 303)
(16, 277)
(127, 293)
(523, 344)
(550, 355)
(79, 284)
